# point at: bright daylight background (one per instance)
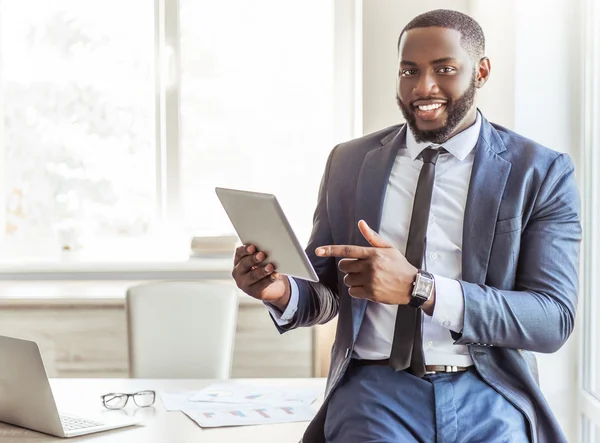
(85, 151)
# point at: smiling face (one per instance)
(437, 83)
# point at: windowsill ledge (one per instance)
(197, 268)
(69, 294)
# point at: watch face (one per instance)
(423, 289)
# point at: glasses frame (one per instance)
(124, 394)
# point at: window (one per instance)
(590, 359)
(77, 93)
(590, 431)
(120, 118)
(256, 104)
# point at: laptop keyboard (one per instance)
(73, 423)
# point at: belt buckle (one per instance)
(446, 368)
(443, 369)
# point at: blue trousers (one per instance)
(375, 404)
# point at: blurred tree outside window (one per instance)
(77, 90)
(79, 138)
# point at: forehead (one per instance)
(421, 45)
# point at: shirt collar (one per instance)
(459, 146)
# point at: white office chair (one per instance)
(181, 329)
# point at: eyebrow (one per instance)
(433, 62)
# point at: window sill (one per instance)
(197, 268)
(70, 294)
(101, 284)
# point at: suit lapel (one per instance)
(488, 180)
(371, 186)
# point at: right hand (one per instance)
(258, 278)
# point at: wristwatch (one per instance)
(423, 288)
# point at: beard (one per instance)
(455, 109)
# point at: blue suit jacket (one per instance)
(521, 240)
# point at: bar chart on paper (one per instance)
(234, 403)
(252, 415)
(240, 393)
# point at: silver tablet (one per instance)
(259, 220)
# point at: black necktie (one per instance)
(407, 348)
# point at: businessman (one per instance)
(448, 247)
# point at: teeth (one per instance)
(430, 107)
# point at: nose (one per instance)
(426, 86)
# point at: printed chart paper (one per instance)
(240, 393)
(180, 400)
(236, 416)
(236, 403)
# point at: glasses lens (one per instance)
(115, 401)
(144, 398)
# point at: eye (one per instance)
(408, 72)
(446, 70)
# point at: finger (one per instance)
(358, 292)
(251, 261)
(263, 283)
(371, 236)
(242, 252)
(346, 251)
(348, 265)
(351, 280)
(258, 274)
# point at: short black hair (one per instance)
(472, 38)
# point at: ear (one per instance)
(483, 72)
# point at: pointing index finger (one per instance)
(344, 251)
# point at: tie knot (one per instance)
(430, 155)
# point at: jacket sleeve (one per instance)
(539, 314)
(318, 302)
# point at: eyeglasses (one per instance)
(143, 399)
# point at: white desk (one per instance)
(159, 426)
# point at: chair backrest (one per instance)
(181, 329)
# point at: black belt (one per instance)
(430, 369)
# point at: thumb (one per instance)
(371, 236)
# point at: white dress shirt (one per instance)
(443, 255)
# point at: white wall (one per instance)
(497, 98)
(548, 72)
(533, 89)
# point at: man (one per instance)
(448, 247)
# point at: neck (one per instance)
(466, 122)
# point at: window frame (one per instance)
(166, 96)
(167, 93)
(2, 159)
(589, 359)
(166, 100)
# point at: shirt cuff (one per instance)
(449, 310)
(284, 318)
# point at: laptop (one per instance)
(26, 398)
